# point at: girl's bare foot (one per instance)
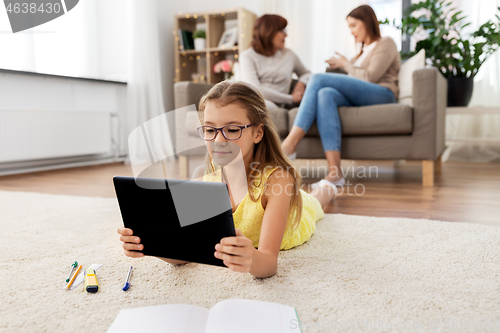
(325, 194)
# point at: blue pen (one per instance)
(126, 286)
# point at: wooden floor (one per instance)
(464, 192)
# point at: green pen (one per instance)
(71, 271)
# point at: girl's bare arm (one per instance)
(265, 258)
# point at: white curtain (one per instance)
(486, 88)
(145, 88)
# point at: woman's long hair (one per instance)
(264, 30)
(366, 14)
(268, 151)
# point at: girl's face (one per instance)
(279, 39)
(358, 29)
(224, 151)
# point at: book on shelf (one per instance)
(228, 316)
(181, 40)
(185, 39)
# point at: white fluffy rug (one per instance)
(357, 273)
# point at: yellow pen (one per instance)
(74, 277)
(91, 281)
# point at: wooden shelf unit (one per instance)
(186, 61)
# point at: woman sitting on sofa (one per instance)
(372, 79)
(268, 65)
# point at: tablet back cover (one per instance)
(151, 212)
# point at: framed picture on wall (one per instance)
(228, 38)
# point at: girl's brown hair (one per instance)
(264, 30)
(268, 151)
(366, 14)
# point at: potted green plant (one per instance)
(457, 57)
(199, 40)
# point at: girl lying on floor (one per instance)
(270, 211)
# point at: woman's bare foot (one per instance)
(287, 148)
(334, 175)
(292, 140)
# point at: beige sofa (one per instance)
(377, 132)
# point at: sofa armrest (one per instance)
(430, 91)
(186, 93)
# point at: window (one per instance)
(88, 41)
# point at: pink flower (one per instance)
(224, 66)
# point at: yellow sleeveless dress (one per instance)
(249, 215)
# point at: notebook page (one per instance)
(175, 318)
(249, 316)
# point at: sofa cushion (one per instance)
(381, 119)
(278, 115)
(405, 77)
(280, 119)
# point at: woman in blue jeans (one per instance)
(372, 79)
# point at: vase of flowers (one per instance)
(224, 66)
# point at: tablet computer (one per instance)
(176, 219)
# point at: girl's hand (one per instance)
(237, 252)
(337, 62)
(130, 243)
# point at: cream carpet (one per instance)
(354, 272)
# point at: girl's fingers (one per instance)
(232, 250)
(130, 243)
(134, 254)
(232, 259)
(237, 241)
(135, 247)
(130, 239)
(125, 231)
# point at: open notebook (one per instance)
(228, 316)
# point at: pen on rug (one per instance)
(126, 286)
(73, 278)
(71, 271)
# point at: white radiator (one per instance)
(34, 135)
